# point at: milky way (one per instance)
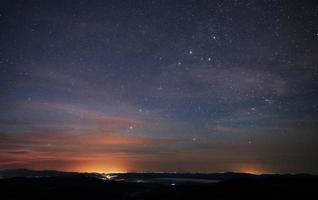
(185, 86)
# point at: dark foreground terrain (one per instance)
(56, 185)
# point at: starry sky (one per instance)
(169, 86)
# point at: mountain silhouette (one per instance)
(23, 183)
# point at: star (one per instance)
(269, 101)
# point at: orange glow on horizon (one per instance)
(100, 169)
(250, 169)
(115, 166)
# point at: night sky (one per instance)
(169, 86)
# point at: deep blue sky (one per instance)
(159, 85)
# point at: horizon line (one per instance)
(161, 172)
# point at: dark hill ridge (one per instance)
(25, 184)
(10, 173)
